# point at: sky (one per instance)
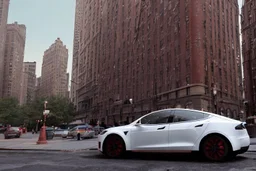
(46, 20)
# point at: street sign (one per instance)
(46, 112)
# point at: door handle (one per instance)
(161, 128)
(197, 126)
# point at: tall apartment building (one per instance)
(248, 21)
(137, 56)
(13, 59)
(28, 82)
(4, 8)
(38, 87)
(54, 70)
(74, 76)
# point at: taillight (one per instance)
(88, 129)
(241, 126)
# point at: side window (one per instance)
(184, 115)
(158, 117)
(73, 129)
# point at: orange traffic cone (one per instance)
(42, 136)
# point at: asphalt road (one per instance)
(95, 161)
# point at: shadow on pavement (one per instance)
(194, 157)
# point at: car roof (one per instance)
(82, 126)
(173, 109)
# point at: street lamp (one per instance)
(42, 136)
(214, 91)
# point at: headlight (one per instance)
(103, 132)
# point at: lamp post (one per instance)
(42, 136)
(214, 91)
(37, 123)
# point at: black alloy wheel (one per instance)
(215, 148)
(114, 146)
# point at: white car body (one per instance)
(84, 131)
(180, 136)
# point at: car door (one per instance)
(186, 128)
(152, 132)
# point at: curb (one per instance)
(47, 150)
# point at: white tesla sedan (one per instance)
(178, 130)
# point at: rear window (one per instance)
(15, 128)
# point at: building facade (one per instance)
(4, 8)
(74, 76)
(138, 56)
(248, 21)
(38, 87)
(28, 82)
(13, 60)
(54, 70)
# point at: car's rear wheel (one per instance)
(114, 146)
(216, 148)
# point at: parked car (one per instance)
(215, 137)
(98, 129)
(12, 132)
(81, 132)
(61, 133)
(65, 133)
(2, 128)
(49, 133)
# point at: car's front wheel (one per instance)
(216, 148)
(114, 146)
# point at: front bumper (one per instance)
(100, 143)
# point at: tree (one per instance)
(10, 112)
(61, 111)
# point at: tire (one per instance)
(216, 148)
(114, 146)
(78, 137)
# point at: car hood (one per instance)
(125, 127)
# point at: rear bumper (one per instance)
(240, 143)
(242, 150)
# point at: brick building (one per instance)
(38, 87)
(4, 8)
(13, 60)
(248, 21)
(137, 56)
(28, 82)
(74, 76)
(54, 79)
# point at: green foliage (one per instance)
(10, 112)
(61, 111)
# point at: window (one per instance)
(160, 117)
(185, 115)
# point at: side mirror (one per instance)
(138, 123)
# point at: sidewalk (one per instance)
(28, 142)
(253, 145)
